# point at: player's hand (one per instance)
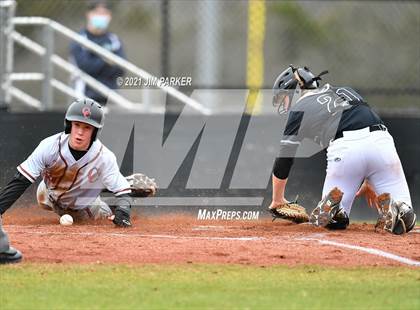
(370, 195)
(279, 202)
(121, 217)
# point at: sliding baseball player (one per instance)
(75, 168)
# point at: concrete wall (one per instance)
(21, 133)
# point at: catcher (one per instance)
(75, 168)
(361, 155)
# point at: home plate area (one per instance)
(184, 239)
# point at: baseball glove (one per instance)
(141, 185)
(291, 211)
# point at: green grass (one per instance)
(31, 286)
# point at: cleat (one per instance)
(10, 256)
(395, 217)
(384, 203)
(327, 208)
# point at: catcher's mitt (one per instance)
(141, 185)
(291, 211)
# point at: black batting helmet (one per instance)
(85, 111)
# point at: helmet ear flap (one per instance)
(95, 134)
(67, 126)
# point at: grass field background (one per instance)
(51, 286)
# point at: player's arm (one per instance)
(111, 69)
(122, 213)
(280, 207)
(13, 190)
(281, 170)
(27, 174)
(284, 162)
(86, 60)
(115, 183)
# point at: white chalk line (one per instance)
(209, 228)
(373, 251)
(312, 237)
(138, 235)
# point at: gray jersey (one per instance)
(321, 114)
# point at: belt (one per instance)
(371, 128)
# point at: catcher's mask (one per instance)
(290, 80)
(85, 111)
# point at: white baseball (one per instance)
(66, 220)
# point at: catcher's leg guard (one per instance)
(340, 220)
(395, 217)
(328, 208)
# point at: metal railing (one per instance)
(7, 11)
(49, 59)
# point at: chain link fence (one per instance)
(373, 46)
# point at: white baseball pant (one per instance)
(361, 154)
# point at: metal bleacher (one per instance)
(9, 36)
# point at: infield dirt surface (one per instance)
(184, 239)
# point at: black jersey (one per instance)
(323, 114)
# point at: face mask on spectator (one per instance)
(99, 22)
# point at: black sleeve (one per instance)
(284, 161)
(13, 191)
(288, 146)
(282, 167)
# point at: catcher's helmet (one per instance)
(404, 221)
(290, 79)
(85, 111)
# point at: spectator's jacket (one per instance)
(94, 65)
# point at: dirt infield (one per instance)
(184, 239)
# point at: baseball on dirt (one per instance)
(66, 220)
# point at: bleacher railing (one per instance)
(9, 36)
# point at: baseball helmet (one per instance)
(401, 218)
(85, 111)
(289, 80)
